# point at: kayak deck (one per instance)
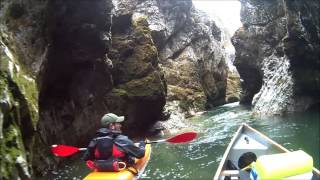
(124, 174)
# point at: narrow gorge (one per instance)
(64, 64)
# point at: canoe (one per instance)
(272, 161)
(125, 174)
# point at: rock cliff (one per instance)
(65, 63)
(190, 50)
(56, 54)
(22, 47)
(277, 55)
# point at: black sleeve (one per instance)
(124, 143)
(89, 154)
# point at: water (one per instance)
(200, 158)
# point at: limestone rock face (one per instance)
(139, 86)
(277, 55)
(190, 51)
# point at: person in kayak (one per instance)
(110, 149)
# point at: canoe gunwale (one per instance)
(226, 153)
(241, 130)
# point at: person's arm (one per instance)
(125, 144)
(89, 154)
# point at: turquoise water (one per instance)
(200, 158)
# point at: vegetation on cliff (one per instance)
(18, 118)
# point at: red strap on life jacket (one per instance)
(116, 152)
(90, 164)
(115, 165)
(96, 153)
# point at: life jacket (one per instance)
(106, 148)
(107, 155)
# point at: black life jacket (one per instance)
(112, 151)
(105, 147)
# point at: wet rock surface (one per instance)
(18, 116)
(277, 55)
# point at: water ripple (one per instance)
(200, 158)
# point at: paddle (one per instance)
(180, 138)
(65, 150)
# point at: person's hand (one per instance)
(142, 144)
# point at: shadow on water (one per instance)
(200, 158)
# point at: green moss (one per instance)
(142, 32)
(11, 148)
(181, 93)
(3, 84)
(188, 98)
(5, 94)
(21, 92)
(4, 63)
(137, 55)
(12, 140)
(119, 92)
(136, 71)
(148, 86)
(140, 22)
(192, 102)
(147, 53)
(184, 105)
(28, 87)
(233, 88)
(26, 84)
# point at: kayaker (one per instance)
(110, 148)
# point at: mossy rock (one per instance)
(11, 142)
(138, 82)
(188, 98)
(180, 93)
(119, 92)
(141, 24)
(184, 84)
(24, 82)
(233, 88)
(142, 32)
(147, 53)
(19, 93)
(148, 86)
(134, 55)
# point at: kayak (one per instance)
(126, 174)
(252, 155)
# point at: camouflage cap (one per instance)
(111, 118)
